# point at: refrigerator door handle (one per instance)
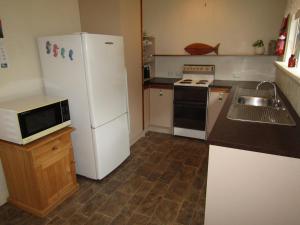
(127, 100)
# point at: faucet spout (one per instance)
(274, 88)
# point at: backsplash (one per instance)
(246, 68)
(290, 88)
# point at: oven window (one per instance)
(40, 119)
(190, 116)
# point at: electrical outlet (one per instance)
(235, 75)
(178, 74)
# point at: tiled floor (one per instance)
(162, 183)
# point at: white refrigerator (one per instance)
(89, 70)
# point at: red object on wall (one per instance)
(280, 47)
(292, 61)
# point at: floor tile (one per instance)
(132, 185)
(186, 213)
(91, 206)
(114, 204)
(149, 204)
(78, 219)
(111, 186)
(137, 219)
(57, 221)
(98, 219)
(166, 211)
(177, 191)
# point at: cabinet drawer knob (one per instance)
(161, 93)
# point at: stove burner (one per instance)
(202, 82)
(186, 81)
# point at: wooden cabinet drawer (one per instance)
(52, 150)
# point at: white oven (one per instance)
(190, 101)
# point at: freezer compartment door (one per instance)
(106, 77)
(111, 145)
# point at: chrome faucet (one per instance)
(275, 100)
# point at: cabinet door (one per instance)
(55, 170)
(161, 107)
(217, 98)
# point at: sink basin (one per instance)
(255, 101)
(248, 105)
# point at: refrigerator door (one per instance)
(112, 145)
(64, 76)
(106, 77)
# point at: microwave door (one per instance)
(40, 119)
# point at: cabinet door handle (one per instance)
(54, 148)
(221, 96)
(161, 93)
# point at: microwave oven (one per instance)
(25, 120)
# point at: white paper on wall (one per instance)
(3, 55)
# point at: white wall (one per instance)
(250, 68)
(23, 22)
(292, 6)
(235, 24)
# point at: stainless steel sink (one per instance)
(251, 105)
(254, 101)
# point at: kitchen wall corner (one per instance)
(121, 17)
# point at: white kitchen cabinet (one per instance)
(161, 110)
(251, 188)
(217, 98)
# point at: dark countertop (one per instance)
(257, 137)
(160, 82)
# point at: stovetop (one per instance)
(199, 81)
(197, 76)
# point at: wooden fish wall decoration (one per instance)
(201, 49)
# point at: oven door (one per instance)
(190, 94)
(190, 115)
(190, 105)
(40, 119)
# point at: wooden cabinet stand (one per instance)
(41, 174)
